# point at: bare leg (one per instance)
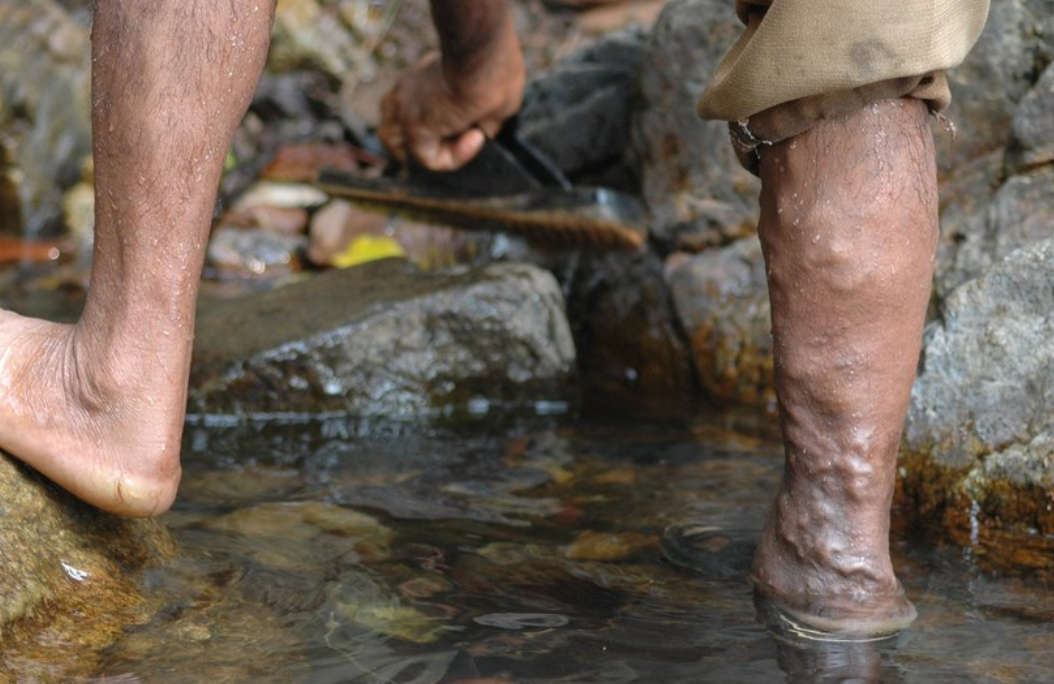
(98, 407)
(849, 229)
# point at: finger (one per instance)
(428, 151)
(449, 154)
(466, 146)
(490, 127)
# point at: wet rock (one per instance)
(1017, 42)
(386, 339)
(1033, 126)
(403, 478)
(44, 112)
(630, 346)
(578, 113)
(721, 298)
(697, 191)
(979, 235)
(68, 577)
(979, 421)
(366, 606)
(298, 533)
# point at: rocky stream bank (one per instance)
(478, 322)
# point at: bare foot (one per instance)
(98, 407)
(103, 426)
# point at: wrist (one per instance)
(491, 65)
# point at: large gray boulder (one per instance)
(1017, 42)
(1033, 126)
(386, 339)
(1019, 213)
(979, 428)
(578, 112)
(692, 182)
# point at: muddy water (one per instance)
(325, 551)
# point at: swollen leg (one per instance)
(98, 407)
(849, 229)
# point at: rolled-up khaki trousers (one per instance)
(799, 61)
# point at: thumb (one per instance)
(466, 146)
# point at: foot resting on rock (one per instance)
(104, 425)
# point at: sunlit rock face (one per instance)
(978, 447)
(387, 339)
(977, 454)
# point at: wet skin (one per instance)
(98, 407)
(849, 230)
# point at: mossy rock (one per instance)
(68, 577)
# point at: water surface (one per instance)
(524, 552)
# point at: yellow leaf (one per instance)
(366, 248)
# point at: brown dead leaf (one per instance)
(301, 162)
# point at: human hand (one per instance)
(441, 117)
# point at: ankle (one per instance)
(128, 391)
(822, 549)
(102, 424)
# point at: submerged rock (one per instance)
(68, 577)
(386, 339)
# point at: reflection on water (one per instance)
(532, 552)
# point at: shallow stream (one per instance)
(522, 552)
